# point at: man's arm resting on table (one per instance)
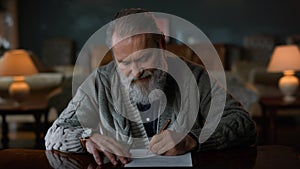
(66, 130)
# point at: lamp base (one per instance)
(19, 89)
(288, 85)
(289, 99)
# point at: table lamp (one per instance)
(17, 63)
(286, 59)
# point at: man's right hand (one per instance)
(98, 145)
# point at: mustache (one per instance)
(139, 93)
(143, 74)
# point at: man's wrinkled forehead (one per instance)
(124, 47)
(137, 41)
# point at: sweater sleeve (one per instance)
(64, 133)
(235, 127)
(66, 130)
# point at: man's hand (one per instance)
(98, 145)
(166, 143)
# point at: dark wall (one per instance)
(222, 21)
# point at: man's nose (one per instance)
(136, 70)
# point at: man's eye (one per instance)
(125, 63)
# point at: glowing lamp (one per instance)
(286, 59)
(17, 63)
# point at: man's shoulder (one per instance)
(107, 69)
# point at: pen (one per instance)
(165, 126)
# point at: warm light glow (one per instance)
(17, 63)
(286, 59)
(288, 84)
(19, 89)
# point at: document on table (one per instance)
(144, 158)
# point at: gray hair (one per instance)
(128, 22)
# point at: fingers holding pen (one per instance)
(159, 143)
(167, 143)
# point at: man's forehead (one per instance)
(135, 40)
(128, 46)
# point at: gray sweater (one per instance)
(96, 104)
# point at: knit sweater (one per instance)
(103, 104)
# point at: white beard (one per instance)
(139, 93)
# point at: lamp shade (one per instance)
(285, 57)
(17, 63)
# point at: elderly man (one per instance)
(126, 103)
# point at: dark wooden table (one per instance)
(35, 104)
(270, 105)
(261, 157)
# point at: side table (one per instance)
(270, 105)
(35, 104)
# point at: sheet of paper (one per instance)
(152, 160)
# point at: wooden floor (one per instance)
(288, 133)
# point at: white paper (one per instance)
(144, 158)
